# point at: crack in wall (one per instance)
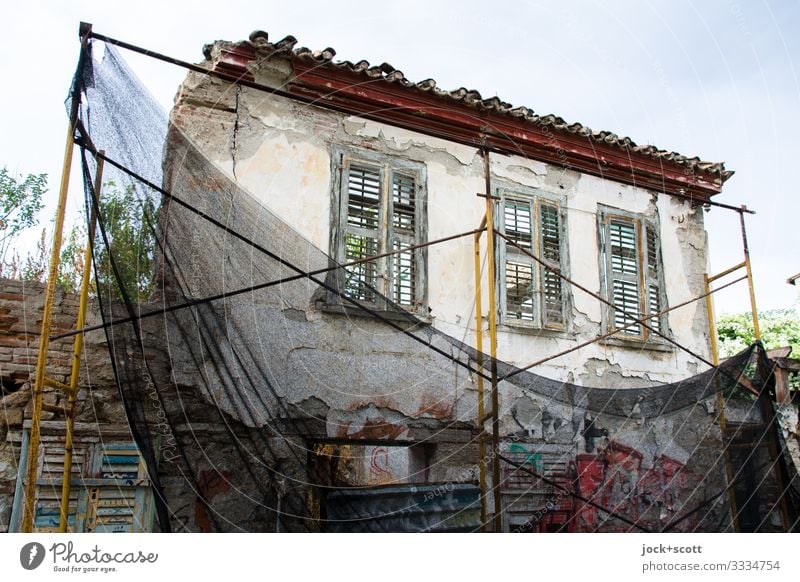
(235, 130)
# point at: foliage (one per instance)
(70, 265)
(20, 203)
(779, 327)
(129, 224)
(34, 267)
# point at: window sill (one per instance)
(395, 316)
(637, 344)
(536, 331)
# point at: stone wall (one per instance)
(20, 323)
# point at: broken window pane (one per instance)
(403, 203)
(403, 275)
(519, 291)
(363, 197)
(361, 279)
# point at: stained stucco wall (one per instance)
(280, 151)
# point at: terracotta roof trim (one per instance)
(259, 40)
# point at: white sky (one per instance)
(717, 79)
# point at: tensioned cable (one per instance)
(86, 143)
(586, 500)
(301, 274)
(617, 330)
(260, 286)
(608, 303)
(320, 102)
(273, 421)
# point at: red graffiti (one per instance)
(616, 480)
(613, 481)
(379, 463)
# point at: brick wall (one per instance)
(21, 305)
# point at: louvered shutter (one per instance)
(652, 277)
(404, 235)
(519, 269)
(109, 492)
(362, 196)
(550, 250)
(623, 273)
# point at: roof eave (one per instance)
(382, 94)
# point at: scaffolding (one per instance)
(488, 414)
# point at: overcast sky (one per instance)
(717, 79)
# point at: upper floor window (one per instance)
(631, 265)
(532, 294)
(379, 207)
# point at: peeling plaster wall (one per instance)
(280, 151)
(352, 378)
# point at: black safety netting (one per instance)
(241, 353)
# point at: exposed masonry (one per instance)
(272, 134)
(346, 377)
(98, 401)
(552, 429)
(335, 377)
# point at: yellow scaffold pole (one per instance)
(47, 312)
(495, 412)
(77, 351)
(481, 401)
(768, 411)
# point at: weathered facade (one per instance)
(345, 399)
(318, 184)
(111, 491)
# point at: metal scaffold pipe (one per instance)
(495, 398)
(28, 517)
(479, 361)
(77, 352)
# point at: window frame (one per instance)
(648, 277)
(387, 167)
(535, 198)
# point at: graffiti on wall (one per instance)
(614, 478)
(617, 479)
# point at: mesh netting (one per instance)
(242, 365)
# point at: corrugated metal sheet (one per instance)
(445, 507)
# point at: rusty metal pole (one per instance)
(756, 327)
(766, 406)
(492, 276)
(77, 351)
(712, 331)
(47, 312)
(481, 401)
